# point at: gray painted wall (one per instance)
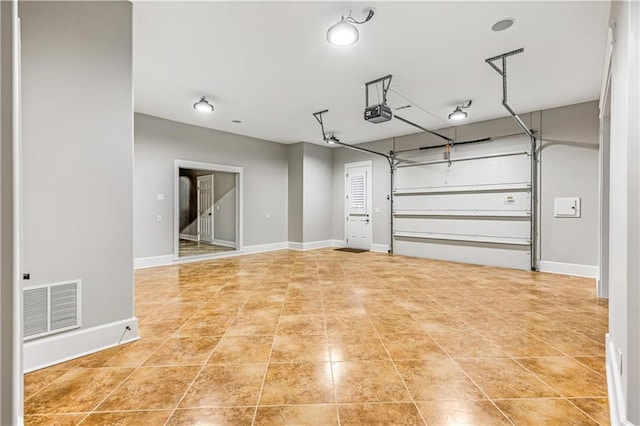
(569, 167)
(624, 224)
(569, 164)
(317, 197)
(77, 151)
(224, 216)
(295, 156)
(159, 142)
(9, 411)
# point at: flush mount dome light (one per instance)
(342, 34)
(345, 33)
(458, 113)
(203, 105)
(503, 24)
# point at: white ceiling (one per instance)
(269, 65)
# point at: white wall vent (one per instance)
(51, 308)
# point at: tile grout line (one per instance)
(326, 335)
(110, 393)
(557, 391)
(395, 367)
(471, 380)
(188, 388)
(273, 344)
(584, 412)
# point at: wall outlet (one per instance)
(160, 197)
(159, 218)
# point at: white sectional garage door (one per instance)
(476, 210)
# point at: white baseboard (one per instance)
(262, 248)
(50, 350)
(313, 245)
(150, 262)
(617, 407)
(380, 248)
(188, 237)
(588, 271)
(224, 243)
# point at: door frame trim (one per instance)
(187, 164)
(369, 164)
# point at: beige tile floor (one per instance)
(334, 338)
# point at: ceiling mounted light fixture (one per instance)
(203, 105)
(344, 33)
(332, 140)
(458, 113)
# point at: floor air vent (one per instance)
(51, 308)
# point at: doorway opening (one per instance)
(207, 209)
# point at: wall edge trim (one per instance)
(617, 410)
(588, 271)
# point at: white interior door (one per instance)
(205, 208)
(358, 205)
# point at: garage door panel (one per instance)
(475, 253)
(470, 226)
(469, 202)
(512, 169)
(474, 210)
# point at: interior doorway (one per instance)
(358, 205)
(208, 209)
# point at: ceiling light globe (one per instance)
(457, 114)
(203, 105)
(342, 34)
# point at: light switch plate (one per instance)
(160, 197)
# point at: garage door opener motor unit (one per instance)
(381, 112)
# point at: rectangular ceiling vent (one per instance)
(51, 308)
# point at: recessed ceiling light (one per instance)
(503, 24)
(236, 121)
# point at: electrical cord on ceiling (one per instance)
(366, 19)
(420, 107)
